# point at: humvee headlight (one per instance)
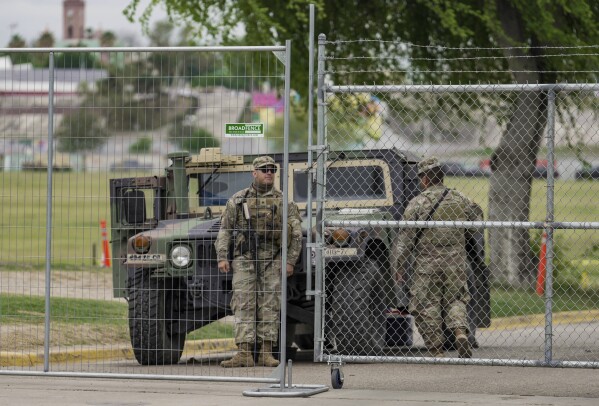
(340, 237)
(181, 256)
(141, 244)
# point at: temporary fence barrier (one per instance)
(89, 134)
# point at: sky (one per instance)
(29, 18)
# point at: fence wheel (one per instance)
(336, 378)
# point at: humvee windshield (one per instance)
(207, 189)
(351, 183)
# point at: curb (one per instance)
(193, 348)
(538, 320)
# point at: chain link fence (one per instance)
(506, 260)
(107, 259)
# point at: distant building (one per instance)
(24, 118)
(26, 81)
(73, 20)
(74, 32)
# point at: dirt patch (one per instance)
(86, 284)
(30, 337)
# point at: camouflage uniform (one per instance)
(261, 287)
(440, 272)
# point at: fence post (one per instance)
(283, 340)
(49, 212)
(308, 263)
(549, 226)
(320, 161)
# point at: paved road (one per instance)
(374, 384)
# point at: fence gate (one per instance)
(526, 154)
(108, 266)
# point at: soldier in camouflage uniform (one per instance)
(253, 216)
(439, 284)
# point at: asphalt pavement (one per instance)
(366, 384)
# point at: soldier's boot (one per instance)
(462, 344)
(436, 352)
(243, 358)
(265, 357)
(434, 347)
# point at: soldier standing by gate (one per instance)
(252, 220)
(440, 274)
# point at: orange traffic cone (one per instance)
(105, 246)
(542, 266)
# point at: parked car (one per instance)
(459, 169)
(540, 171)
(589, 173)
(39, 162)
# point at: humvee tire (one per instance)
(359, 323)
(151, 304)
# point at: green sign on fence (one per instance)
(244, 130)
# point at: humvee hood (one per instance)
(184, 228)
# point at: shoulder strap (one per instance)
(244, 201)
(428, 218)
(239, 206)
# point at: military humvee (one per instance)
(164, 227)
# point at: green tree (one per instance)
(190, 137)
(107, 39)
(45, 40)
(16, 41)
(514, 41)
(160, 35)
(131, 98)
(81, 130)
(141, 146)
(76, 60)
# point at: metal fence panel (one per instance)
(524, 153)
(89, 141)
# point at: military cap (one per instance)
(263, 161)
(427, 164)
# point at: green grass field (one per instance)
(77, 311)
(81, 200)
(86, 321)
(519, 302)
(574, 201)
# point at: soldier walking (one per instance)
(439, 285)
(253, 222)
